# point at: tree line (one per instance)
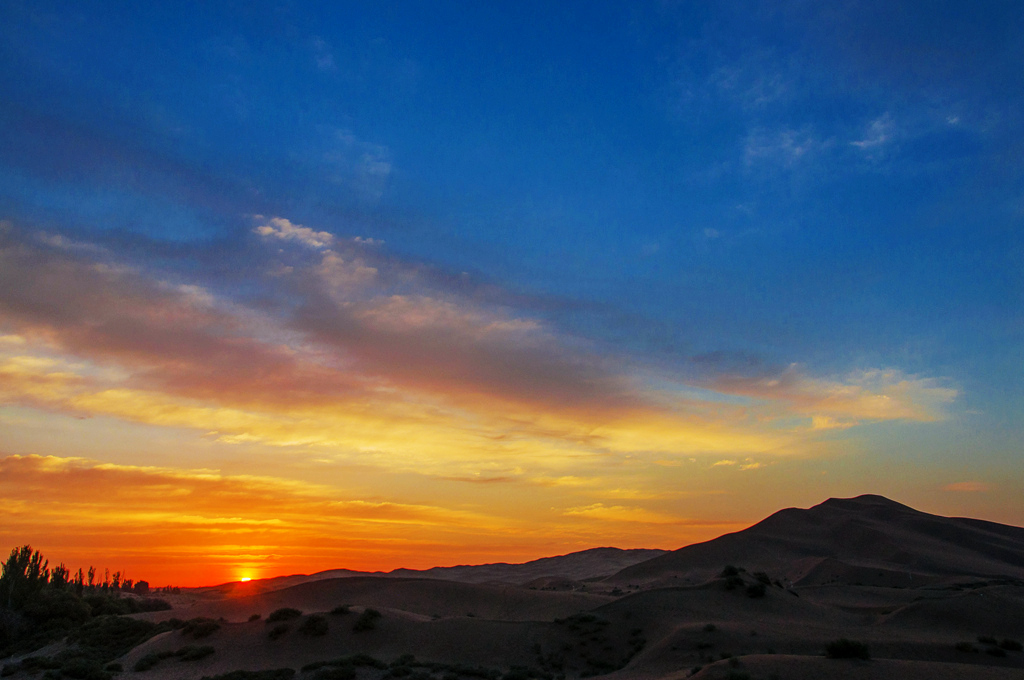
(26, 572)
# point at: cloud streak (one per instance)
(367, 355)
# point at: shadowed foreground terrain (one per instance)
(851, 588)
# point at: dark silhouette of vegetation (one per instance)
(966, 647)
(200, 627)
(756, 590)
(1011, 645)
(255, 617)
(283, 614)
(366, 621)
(39, 605)
(278, 631)
(189, 653)
(315, 625)
(276, 674)
(355, 661)
(341, 610)
(847, 649)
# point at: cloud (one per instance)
(621, 513)
(878, 133)
(971, 487)
(783, 147)
(130, 510)
(322, 54)
(361, 165)
(867, 395)
(281, 228)
(377, 360)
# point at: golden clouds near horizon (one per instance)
(530, 435)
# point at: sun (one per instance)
(245, 578)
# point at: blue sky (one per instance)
(728, 200)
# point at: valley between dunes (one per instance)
(930, 597)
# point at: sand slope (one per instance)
(868, 539)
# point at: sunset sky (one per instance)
(286, 288)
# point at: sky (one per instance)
(287, 287)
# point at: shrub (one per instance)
(276, 674)
(966, 647)
(755, 590)
(847, 649)
(255, 617)
(199, 628)
(283, 614)
(996, 651)
(762, 577)
(336, 673)
(150, 661)
(1011, 645)
(80, 668)
(277, 631)
(194, 653)
(341, 610)
(730, 571)
(315, 625)
(366, 621)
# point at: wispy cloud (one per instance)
(879, 133)
(784, 147)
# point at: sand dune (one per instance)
(869, 539)
(930, 597)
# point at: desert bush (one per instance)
(336, 673)
(966, 647)
(366, 621)
(150, 661)
(756, 590)
(847, 649)
(314, 625)
(355, 661)
(200, 627)
(730, 570)
(996, 651)
(1011, 645)
(82, 668)
(255, 617)
(277, 631)
(283, 614)
(763, 577)
(275, 674)
(341, 610)
(108, 637)
(194, 653)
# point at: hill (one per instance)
(869, 540)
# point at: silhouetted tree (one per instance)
(24, 573)
(92, 577)
(59, 576)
